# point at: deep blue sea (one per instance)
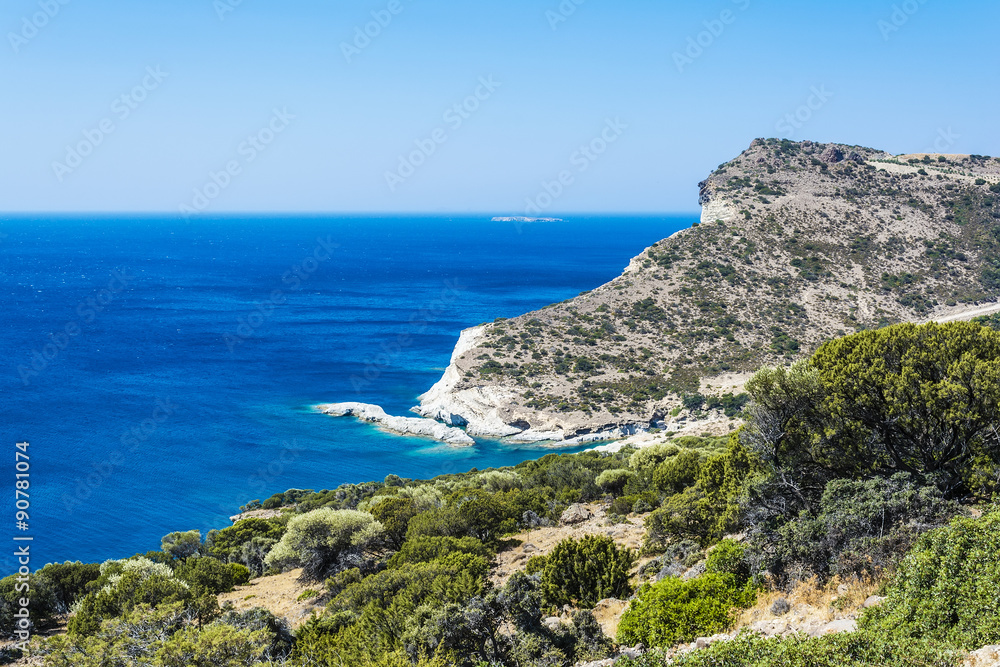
(163, 371)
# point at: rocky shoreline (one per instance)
(427, 428)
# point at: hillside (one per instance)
(798, 243)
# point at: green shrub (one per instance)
(652, 456)
(854, 649)
(228, 544)
(425, 548)
(673, 611)
(581, 572)
(181, 545)
(241, 574)
(124, 585)
(947, 588)
(921, 398)
(729, 557)
(207, 575)
(325, 540)
(677, 473)
(614, 481)
(394, 514)
(858, 526)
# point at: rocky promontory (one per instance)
(427, 428)
(798, 243)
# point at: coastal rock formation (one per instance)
(798, 243)
(427, 428)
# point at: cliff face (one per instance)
(798, 243)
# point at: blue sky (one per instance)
(258, 106)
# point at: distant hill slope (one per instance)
(798, 243)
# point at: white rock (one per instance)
(835, 627)
(575, 513)
(536, 436)
(405, 425)
(988, 656)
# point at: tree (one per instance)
(678, 472)
(394, 514)
(582, 572)
(123, 586)
(228, 544)
(207, 575)
(425, 548)
(325, 540)
(182, 545)
(918, 399)
(614, 481)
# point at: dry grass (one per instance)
(812, 603)
(279, 594)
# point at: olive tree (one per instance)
(325, 541)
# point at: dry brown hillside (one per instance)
(798, 243)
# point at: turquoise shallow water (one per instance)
(163, 371)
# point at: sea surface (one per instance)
(163, 371)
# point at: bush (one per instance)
(207, 575)
(614, 481)
(326, 540)
(948, 586)
(585, 571)
(181, 545)
(729, 557)
(230, 544)
(854, 649)
(859, 526)
(650, 457)
(425, 548)
(924, 399)
(673, 611)
(124, 585)
(677, 473)
(394, 514)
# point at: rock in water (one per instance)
(427, 428)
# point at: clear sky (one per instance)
(292, 107)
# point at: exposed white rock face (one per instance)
(716, 209)
(478, 409)
(405, 425)
(536, 436)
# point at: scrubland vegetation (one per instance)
(878, 458)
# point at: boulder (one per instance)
(552, 623)
(873, 601)
(636, 651)
(575, 513)
(773, 628)
(832, 155)
(988, 656)
(835, 627)
(692, 572)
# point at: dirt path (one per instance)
(966, 315)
